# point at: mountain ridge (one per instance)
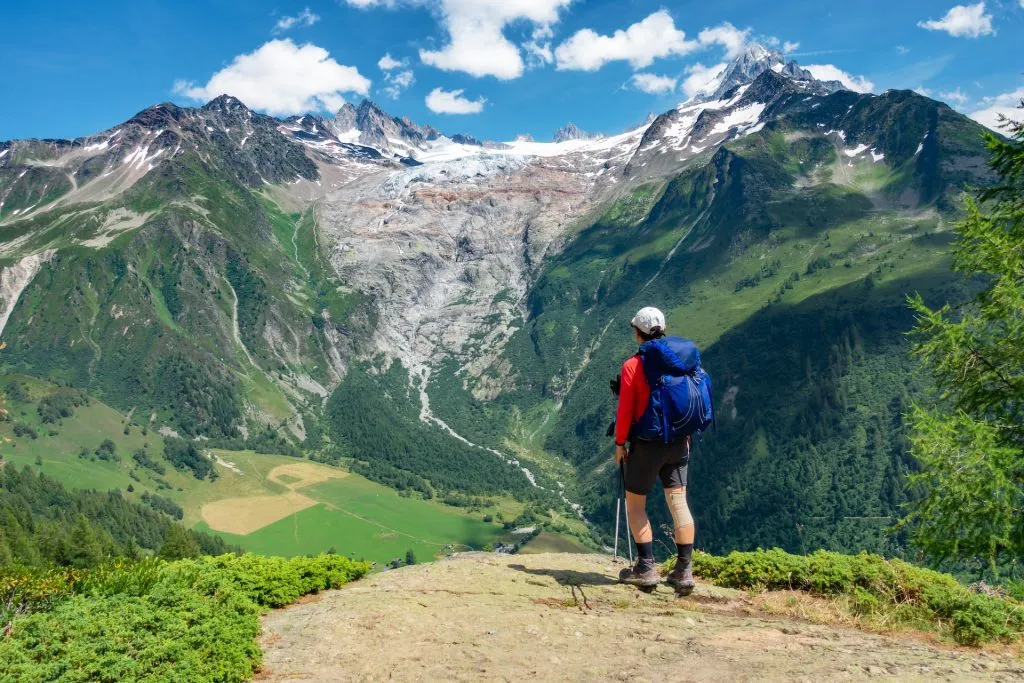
(228, 275)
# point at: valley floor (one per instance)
(563, 617)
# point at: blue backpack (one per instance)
(680, 403)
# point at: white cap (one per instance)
(646, 319)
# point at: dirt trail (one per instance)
(561, 617)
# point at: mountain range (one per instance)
(375, 292)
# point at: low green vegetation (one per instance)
(190, 620)
(889, 594)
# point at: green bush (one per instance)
(876, 587)
(194, 620)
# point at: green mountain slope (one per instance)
(788, 261)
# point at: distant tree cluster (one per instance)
(145, 459)
(42, 523)
(58, 406)
(185, 456)
(164, 505)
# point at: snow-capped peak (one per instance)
(751, 63)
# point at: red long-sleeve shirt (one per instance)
(633, 396)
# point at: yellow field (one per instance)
(245, 514)
(299, 475)
(242, 516)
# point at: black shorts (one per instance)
(650, 460)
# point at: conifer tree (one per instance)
(970, 439)
(178, 545)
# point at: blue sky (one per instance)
(491, 68)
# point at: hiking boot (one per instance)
(681, 578)
(643, 574)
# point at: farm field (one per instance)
(347, 513)
(271, 504)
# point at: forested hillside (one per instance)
(43, 523)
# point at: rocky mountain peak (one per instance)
(571, 132)
(224, 103)
(751, 63)
(379, 129)
(158, 116)
(346, 117)
(755, 60)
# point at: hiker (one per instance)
(658, 426)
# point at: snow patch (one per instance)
(451, 172)
(876, 156)
(747, 115)
(859, 149)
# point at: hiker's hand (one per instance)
(620, 455)
(616, 384)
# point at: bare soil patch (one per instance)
(243, 516)
(295, 476)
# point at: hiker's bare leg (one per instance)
(680, 511)
(636, 513)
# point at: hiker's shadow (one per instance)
(569, 577)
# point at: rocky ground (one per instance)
(563, 617)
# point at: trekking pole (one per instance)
(618, 505)
(622, 488)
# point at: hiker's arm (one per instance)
(624, 413)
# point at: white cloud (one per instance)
(962, 21)
(955, 96)
(538, 48)
(1007, 104)
(398, 81)
(830, 72)
(387, 62)
(282, 78)
(640, 44)
(728, 36)
(303, 18)
(442, 101)
(477, 44)
(703, 80)
(538, 54)
(654, 84)
(921, 90)
(790, 46)
(476, 41)
(902, 50)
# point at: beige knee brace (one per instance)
(679, 509)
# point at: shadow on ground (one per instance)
(569, 577)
